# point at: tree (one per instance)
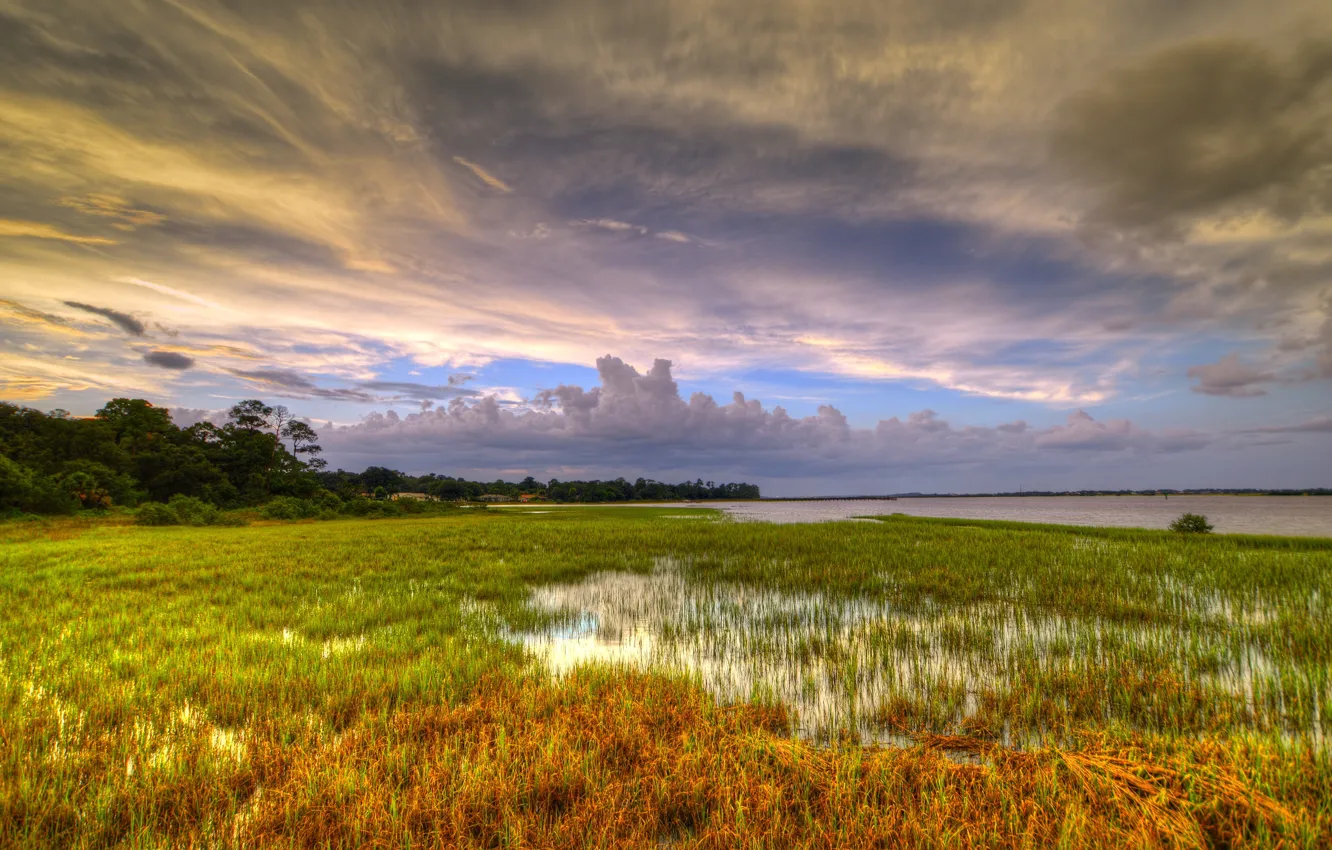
(1191, 524)
(303, 443)
(135, 421)
(251, 414)
(279, 419)
(379, 476)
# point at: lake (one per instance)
(1305, 516)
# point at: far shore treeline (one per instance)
(132, 453)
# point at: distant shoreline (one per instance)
(1313, 491)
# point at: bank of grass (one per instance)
(350, 683)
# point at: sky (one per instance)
(826, 246)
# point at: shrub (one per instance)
(156, 513)
(412, 506)
(1191, 524)
(361, 506)
(384, 509)
(25, 490)
(288, 507)
(326, 500)
(357, 506)
(192, 511)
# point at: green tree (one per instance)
(304, 444)
(1191, 524)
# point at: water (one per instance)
(871, 668)
(1303, 516)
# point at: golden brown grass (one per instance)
(631, 760)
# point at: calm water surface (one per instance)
(1306, 516)
(1300, 516)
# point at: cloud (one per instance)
(184, 417)
(293, 384)
(1204, 127)
(1316, 425)
(484, 176)
(1229, 377)
(638, 420)
(1082, 432)
(38, 230)
(290, 384)
(14, 312)
(110, 206)
(124, 321)
(418, 392)
(893, 221)
(613, 225)
(168, 360)
(172, 291)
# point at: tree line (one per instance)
(131, 452)
(379, 480)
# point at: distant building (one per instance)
(527, 497)
(424, 497)
(492, 497)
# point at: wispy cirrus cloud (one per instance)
(38, 230)
(16, 313)
(483, 175)
(124, 321)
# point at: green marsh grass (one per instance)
(905, 682)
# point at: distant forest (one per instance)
(391, 482)
(131, 452)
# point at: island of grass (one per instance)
(614, 678)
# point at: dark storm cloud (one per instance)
(168, 360)
(1206, 126)
(124, 321)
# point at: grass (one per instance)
(907, 682)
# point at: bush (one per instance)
(156, 513)
(356, 506)
(192, 511)
(288, 508)
(384, 509)
(326, 500)
(363, 507)
(24, 490)
(1191, 524)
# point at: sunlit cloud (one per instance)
(484, 176)
(173, 292)
(37, 230)
(14, 313)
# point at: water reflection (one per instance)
(862, 667)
